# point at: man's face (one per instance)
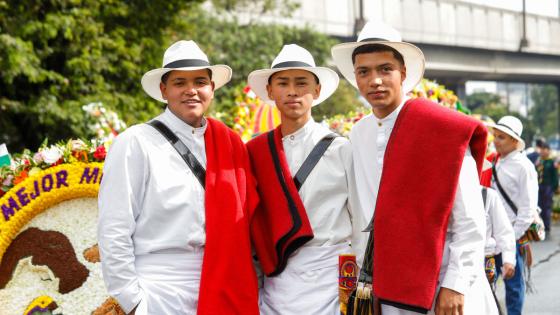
(379, 76)
(545, 153)
(188, 94)
(504, 143)
(293, 91)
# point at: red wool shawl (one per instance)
(280, 224)
(228, 283)
(418, 185)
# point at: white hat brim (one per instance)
(258, 80)
(221, 74)
(412, 55)
(520, 142)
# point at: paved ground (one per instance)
(545, 276)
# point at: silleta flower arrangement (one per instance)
(49, 260)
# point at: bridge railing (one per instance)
(440, 22)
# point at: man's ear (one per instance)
(163, 89)
(403, 74)
(317, 91)
(269, 91)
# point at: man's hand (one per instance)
(508, 270)
(449, 302)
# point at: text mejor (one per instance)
(47, 183)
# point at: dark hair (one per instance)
(373, 48)
(545, 145)
(314, 75)
(540, 142)
(165, 76)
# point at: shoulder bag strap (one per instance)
(182, 149)
(312, 159)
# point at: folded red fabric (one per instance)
(417, 190)
(280, 224)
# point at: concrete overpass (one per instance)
(462, 41)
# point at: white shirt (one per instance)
(500, 237)
(519, 179)
(309, 284)
(463, 251)
(329, 193)
(150, 203)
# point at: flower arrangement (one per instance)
(342, 124)
(252, 116)
(439, 94)
(28, 163)
(103, 123)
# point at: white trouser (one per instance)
(308, 285)
(169, 283)
(478, 300)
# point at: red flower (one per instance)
(100, 153)
(246, 89)
(2, 192)
(21, 177)
(58, 162)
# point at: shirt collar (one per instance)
(390, 119)
(510, 156)
(301, 132)
(178, 125)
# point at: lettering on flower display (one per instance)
(49, 183)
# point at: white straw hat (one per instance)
(294, 57)
(183, 56)
(513, 127)
(380, 33)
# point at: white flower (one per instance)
(38, 158)
(77, 145)
(51, 154)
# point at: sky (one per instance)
(540, 7)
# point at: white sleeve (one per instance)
(467, 227)
(359, 222)
(527, 200)
(502, 231)
(119, 200)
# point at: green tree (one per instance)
(544, 113)
(57, 55)
(481, 99)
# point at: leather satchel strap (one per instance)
(312, 159)
(182, 149)
(484, 195)
(502, 191)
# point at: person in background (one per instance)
(548, 183)
(515, 178)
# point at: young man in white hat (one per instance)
(175, 201)
(519, 181)
(307, 211)
(417, 166)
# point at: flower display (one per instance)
(104, 124)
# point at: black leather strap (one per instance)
(312, 159)
(502, 191)
(182, 149)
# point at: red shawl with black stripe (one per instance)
(416, 194)
(280, 224)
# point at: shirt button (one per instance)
(292, 137)
(379, 123)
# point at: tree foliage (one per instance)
(58, 55)
(544, 113)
